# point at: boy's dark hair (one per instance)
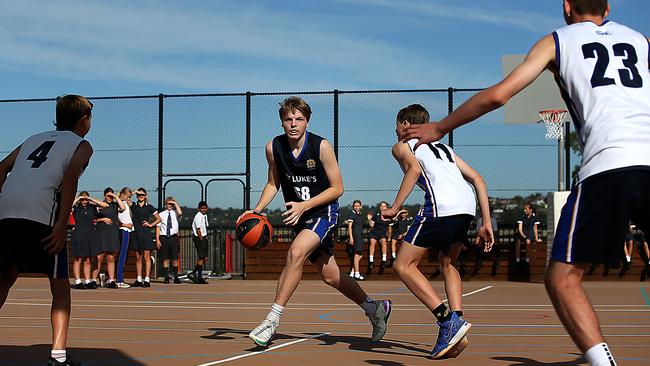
(356, 201)
(69, 109)
(203, 204)
(292, 104)
(108, 189)
(142, 190)
(589, 7)
(414, 114)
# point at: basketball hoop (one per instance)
(554, 122)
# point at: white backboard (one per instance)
(542, 94)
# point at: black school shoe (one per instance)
(203, 281)
(137, 284)
(80, 286)
(92, 285)
(177, 280)
(193, 278)
(68, 362)
(111, 284)
(146, 284)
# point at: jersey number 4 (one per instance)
(39, 155)
(629, 76)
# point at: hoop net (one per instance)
(554, 122)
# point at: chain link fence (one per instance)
(211, 146)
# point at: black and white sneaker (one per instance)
(68, 362)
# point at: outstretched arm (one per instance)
(485, 234)
(538, 59)
(412, 170)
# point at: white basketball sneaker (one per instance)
(263, 333)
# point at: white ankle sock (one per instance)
(276, 313)
(147, 279)
(383, 257)
(139, 279)
(88, 281)
(600, 355)
(77, 281)
(628, 258)
(58, 355)
(371, 258)
(357, 274)
(394, 255)
(369, 305)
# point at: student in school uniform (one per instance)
(126, 227)
(167, 239)
(200, 240)
(83, 238)
(145, 217)
(108, 237)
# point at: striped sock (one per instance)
(600, 355)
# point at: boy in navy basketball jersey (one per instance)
(441, 223)
(32, 224)
(601, 68)
(305, 166)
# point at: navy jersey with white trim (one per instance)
(303, 177)
(604, 80)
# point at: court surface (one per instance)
(513, 324)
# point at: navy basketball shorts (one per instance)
(24, 250)
(438, 232)
(597, 213)
(324, 227)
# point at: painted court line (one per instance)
(264, 351)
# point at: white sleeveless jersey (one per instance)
(32, 189)
(603, 77)
(446, 192)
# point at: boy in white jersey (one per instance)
(32, 223)
(602, 71)
(442, 223)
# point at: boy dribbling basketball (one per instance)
(305, 166)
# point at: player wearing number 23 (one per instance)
(601, 68)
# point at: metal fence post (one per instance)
(248, 151)
(450, 108)
(161, 98)
(336, 123)
(567, 156)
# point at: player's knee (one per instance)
(296, 256)
(330, 279)
(400, 267)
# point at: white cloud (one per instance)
(212, 48)
(480, 12)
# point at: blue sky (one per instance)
(102, 48)
(144, 47)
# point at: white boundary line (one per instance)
(264, 351)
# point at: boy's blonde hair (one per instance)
(294, 104)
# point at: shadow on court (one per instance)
(223, 334)
(385, 346)
(524, 361)
(38, 354)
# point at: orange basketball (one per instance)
(254, 231)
